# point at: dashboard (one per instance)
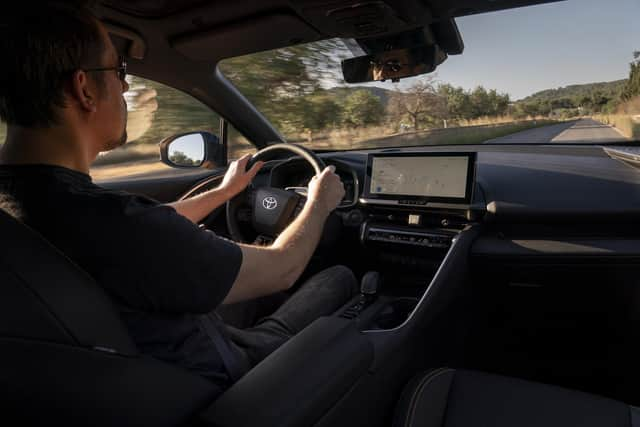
(544, 195)
(418, 179)
(408, 183)
(531, 201)
(297, 173)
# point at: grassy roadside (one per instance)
(350, 139)
(449, 136)
(144, 158)
(628, 125)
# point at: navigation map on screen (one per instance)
(428, 176)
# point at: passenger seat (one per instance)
(460, 398)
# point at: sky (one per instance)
(525, 50)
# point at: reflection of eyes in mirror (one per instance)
(187, 150)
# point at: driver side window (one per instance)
(155, 111)
(238, 145)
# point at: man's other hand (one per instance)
(238, 177)
(326, 190)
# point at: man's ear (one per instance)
(83, 92)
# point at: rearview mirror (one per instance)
(393, 64)
(192, 150)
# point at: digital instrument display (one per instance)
(437, 176)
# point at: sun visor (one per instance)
(126, 40)
(251, 35)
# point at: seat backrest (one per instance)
(65, 355)
(45, 297)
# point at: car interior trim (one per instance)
(456, 247)
(426, 205)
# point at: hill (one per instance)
(606, 89)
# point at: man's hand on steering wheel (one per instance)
(326, 190)
(266, 211)
(237, 178)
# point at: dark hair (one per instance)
(41, 46)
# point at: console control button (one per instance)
(418, 238)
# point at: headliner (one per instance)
(439, 8)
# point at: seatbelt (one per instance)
(230, 361)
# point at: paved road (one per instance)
(585, 131)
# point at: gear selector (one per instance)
(368, 294)
(369, 284)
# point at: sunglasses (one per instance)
(121, 68)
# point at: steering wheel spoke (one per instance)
(244, 215)
(302, 191)
(263, 240)
(299, 206)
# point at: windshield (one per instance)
(565, 72)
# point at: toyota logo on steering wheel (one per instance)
(270, 203)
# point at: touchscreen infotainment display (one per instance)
(423, 176)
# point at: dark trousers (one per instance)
(321, 295)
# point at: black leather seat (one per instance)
(65, 356)
(459, 398)
(67, 359)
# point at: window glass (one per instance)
(521, 69)
(156, 111)
(238, 144)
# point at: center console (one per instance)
(416, 204)
(420, 237)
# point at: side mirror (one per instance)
(192, 150)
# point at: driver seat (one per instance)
(66, 355)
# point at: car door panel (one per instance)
(165, 189)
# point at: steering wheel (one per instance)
(269, 210)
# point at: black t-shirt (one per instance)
(162, 270)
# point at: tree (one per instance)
(464, 105)
(421, 103)
(320, 110)
(632, 87)
(480, 102)
(562, 103)
(284, 83)
(532, 109)
(498, 102)
(457, 101)
(362, 108)
(180, 158)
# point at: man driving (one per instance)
(61, 96)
